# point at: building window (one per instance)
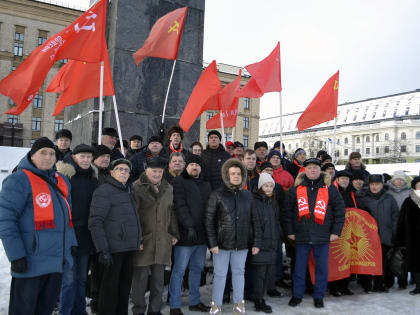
(346, 141)
(19, 36)
(41, 40)
(18, 43)
(346, 151)
(11, 103)
(386, 149)
(64, 61)
(58, 124)
(386, 137)
(246, 103)
(36, 123)
(245, 141)
(404, 149)
(367, 139)
(246, 122)
(12, 119)
(377, 150)
(418, 135)
(210, 115)
(38, 99)
(417, 148)
(358, 140)
(403, 136)
(407, 110)
(377, 138)
(367, 150)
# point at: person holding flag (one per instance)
(313, 216)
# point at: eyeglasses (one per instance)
(122, 169)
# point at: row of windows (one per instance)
(245, 123)
(20, 38)
(228, 137)
(36, 123)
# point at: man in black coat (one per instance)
(109, 138)
(213, 158)
(191, 193)
(63, 139)
(296, 167)
(250, 162)
(313, 217)
(77, 167)
(135, 145)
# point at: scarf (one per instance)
(301, 168)
(320, 204)
(351, 193)
(171, 146)
(42, 200)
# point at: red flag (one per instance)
(357, 251)
(265, 76)
(208, 85)
(164, 37)
(80, 81)
(82, 40)
(229, 117)
(323, 107)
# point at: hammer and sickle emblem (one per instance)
(174, 27)
(302, 201)
(91, 27)
(321, 204)
(335, 85)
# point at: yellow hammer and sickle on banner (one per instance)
(336, 85)
(174, 27)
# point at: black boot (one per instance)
(319, 303)
(260, 306)
(294, 301)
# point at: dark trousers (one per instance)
(264, 278)
(378, 281)
(321, 269)
(249, 276)
(116, 285)
(95, 279)
(34, 296)
(339, 285)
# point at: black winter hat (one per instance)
(136, 137)
(355, 155)
(176, 129)
(273, 153)
(415, 181)
(64, 133)
(109, 131)
(193, 158)
(215, 132)
(265, 165)
(344, 173)
(327, 166)
(120, 161)
(325, 157)
(40, 143)
(238, 144)
(155, 139)
(312, 161)
(83, 148)
(277, 145)
(156, 162)
(376, 178)
(100, 150)
(260, 144)
(358, 174)
(320, 153)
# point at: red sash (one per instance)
(42, 200)
(301, 168)
(320, 204)
(171, 146)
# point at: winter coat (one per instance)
(347, 196)
(116, 154)
(138, 162)
(399, 193)
(408, 231)
(283, 177)
(46, 250)
(384, 209)
(131, 152)
(59, 155)
(252, 180)
(231, 223)
(307, 231)
(362, 168)
(100, 173)
(169, 176)
(268, 214)
(190, 201)
(213, 160)
(113, 220)
(167, 152)
(158, 221)
(293, 169)
(83, 184)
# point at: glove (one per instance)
(73, 250)
(192, 235)
(105, 259)
(19, 265)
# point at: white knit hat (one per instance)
(265, 178)
(399, 175)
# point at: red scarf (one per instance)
(171, 146)
(301, 168)
(320, 204)
(42, 200)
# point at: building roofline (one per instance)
(55, 3)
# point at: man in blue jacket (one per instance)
(36, 230)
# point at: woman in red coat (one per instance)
(280, 175)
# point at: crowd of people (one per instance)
(100, 223)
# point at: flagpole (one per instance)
(223, 128)
(101, 102)
(167, 92)
(335, 140)
(233, 134)
(281, 124)
(117, 118)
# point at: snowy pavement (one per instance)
(395, 302)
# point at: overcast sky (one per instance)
(375, 44)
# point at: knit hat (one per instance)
(299, 151)
(260, 144)
(238, 144)
(265, 178)
(376, 178)
(176, 129)
(358, 174)
(100, 150)
(312, 161)
(82, 148)
(109, 131)
(214, 132)
(343, 173)
(415, 181)
(230, 144)
(320, 153)
(155, 162)
(136, 137)
(155, 139)
(193, 158)
(325, 157)
(273, 153)
(355, 155)
(265, 165)
(120, 161)
(399, 175)
(64, 133)
(327, 166)
(40, 143)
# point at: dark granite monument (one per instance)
(140, 90)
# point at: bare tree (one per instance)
(312, 144)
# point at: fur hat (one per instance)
(358, 174)
(155, 139)
(100, 150)
(355, 155)
(82, 148)
(376, 178)
(176, 129)
(109, 131)
(64, 133)
(260, 144)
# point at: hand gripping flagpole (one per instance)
(101, 102)
(117, 118)
(167, 92)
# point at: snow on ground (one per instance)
(395, 302)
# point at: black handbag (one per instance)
(396, 262)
